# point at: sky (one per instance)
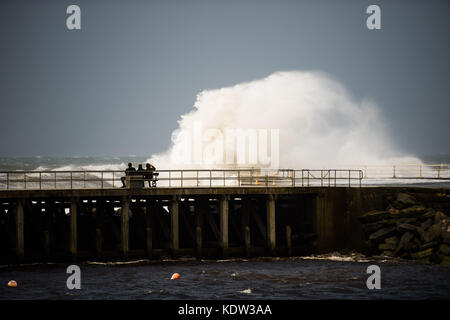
(119, 85)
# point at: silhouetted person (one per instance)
(128, 172)
(149, 169)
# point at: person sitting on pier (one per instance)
(140, 171)
(149, 176)
(128, 172)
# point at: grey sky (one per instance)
(118, 86)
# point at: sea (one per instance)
(330, 276)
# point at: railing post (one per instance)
(439, 172)
(293, 178)
(71, 184)
(329, 178)
(7, 180)
(24, 180)
(40, 180)
(321, 178)
(210, 181)
(102, 179)
(84, 179)
(360, 177)
(55, 180)
(349, 178)
(239, 178)
(181, 175)
(394, 173)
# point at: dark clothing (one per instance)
(128, 172)
(149, 174)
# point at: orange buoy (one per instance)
(175, 276)
(12, 284)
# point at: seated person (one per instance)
(128, 172)
(149, 169)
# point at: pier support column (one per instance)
(20, 250)
(73, 229)
(223, 209)
(125, 226)
(98, 241)
(289, 240)
(148, 230)
(245, 216)
(271, 236)
(149, 242)
(200, 209)
(174, 225)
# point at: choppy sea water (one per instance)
(316, 277)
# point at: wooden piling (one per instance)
(174, 225)
(46, 244)
(149, 242)
(271, 236)
(20, 252)
(223, 210)
(73, 228)
(247, 240)
(200, 209)
(198, 241)
(289, 240)
(125, 226)
(98, 241)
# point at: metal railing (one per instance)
(406, 171)
(46, 180)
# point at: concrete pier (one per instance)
(66, 225)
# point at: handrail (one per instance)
(107, 179)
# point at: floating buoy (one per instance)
(175, 276)
(12, 284)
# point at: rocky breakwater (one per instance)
(409, 230)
